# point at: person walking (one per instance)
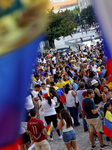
(48, 105)
(37, 132)
(93, 119)
(69, 135)
(70, 96)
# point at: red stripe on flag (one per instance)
(109, 66)
(13, 146)
(62, 98)
(107, 132)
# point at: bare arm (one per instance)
(30, 134)
(61, 124)
(45, 133)
(104, 98)
(94, 111)
(74, 93)
(38, 107)
(97, 92)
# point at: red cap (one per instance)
(84, 94)
(46, 95)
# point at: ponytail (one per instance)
(49, 100)
(105, 108)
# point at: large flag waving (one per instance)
(21, 25)
(103, 10)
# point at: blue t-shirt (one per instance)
(89, 105)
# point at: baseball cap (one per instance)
(46, 95)
(84, 93)
(76, 77)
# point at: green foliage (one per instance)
(74, 15)
(87, 15)
(60, 24)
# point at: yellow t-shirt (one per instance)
(61, 84)
(108, 116)
(68, 82)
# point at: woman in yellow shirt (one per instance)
(61, 84)
(66, 80)
(107, 122)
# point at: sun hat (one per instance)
(94, 82)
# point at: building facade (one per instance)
(57, 1)
(83, 4)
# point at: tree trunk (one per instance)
(49, 44)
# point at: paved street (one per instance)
(61, 43)
(83, 141)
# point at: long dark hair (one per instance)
(55, 94)
(49, 100)
(65, 115)
(105, 108)
(67, 88)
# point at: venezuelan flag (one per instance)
(20, 30)
(104, 17)
(50, 129)
(107, 127)
(60, 94)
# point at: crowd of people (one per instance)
(67, 86)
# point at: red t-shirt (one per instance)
(101, 88)
(84, 113)
(35, 126)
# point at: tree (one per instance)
(60, 24)
(87, 15)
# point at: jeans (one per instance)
(84, 122)
(74, 114)
(69, 136)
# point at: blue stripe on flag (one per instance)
(107, 124)
(15, 71)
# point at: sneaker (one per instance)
(107, 138)
(96, 140)
(85, 130)
(93, 147)
(51, 139)
(60, 137)
(80, 116)
(103, 147)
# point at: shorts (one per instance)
(43, 144)
(95, 124)
(57, 110)
(24, 138)
(69, 136)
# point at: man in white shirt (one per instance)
(45, 90)
(54, 59)
(35, 92)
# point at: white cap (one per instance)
(94, 82)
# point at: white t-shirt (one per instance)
(29, 103)
(54, 71)
(56, 101)
(45, 91)
(22, 130)
(48, 110)
(65, 129)
(54, 59)
(70, 99)
(35, 94)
